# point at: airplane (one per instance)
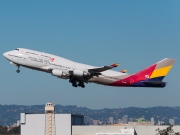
(78, 74)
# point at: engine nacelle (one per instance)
(79, 73)
(59, 73)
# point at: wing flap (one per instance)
(104, 68)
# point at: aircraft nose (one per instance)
(5, 54)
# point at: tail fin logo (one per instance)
(147, 76)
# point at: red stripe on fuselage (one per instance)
(139, 76)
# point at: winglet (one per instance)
(115, 65)
(123, 71)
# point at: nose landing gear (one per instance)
(18, 71)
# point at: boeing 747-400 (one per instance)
(78, 73)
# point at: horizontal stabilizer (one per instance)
(153, 82)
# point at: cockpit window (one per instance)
(17, 49)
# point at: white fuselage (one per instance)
(47, 62)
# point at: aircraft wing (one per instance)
(101, 69)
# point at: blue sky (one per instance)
(135, 34)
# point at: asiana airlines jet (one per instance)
(78, 74)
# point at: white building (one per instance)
(34, 124)
(152, 120)
(68, 124)
(125, 119)
(18, 123)
(111, 120)
(121, 132)
(117, 130)
(172, 121)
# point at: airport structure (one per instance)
(69, 124)
(74, 124)
(119, 130)
(49, 123)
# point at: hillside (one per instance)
(9, 114)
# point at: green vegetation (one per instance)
(13, 130)
(167, 131)
(141, 120)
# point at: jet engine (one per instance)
(79, 73)
(59, 73)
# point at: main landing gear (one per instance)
(81, 84)
(74, 83)
(18, 71)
